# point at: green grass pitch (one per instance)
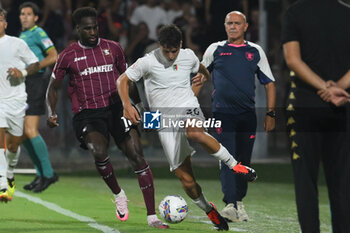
(270, 203)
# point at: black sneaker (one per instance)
(248, 173)
(218, 221)
(45, 183)
(32, 184)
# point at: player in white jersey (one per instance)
(166, 72)
(15, 55)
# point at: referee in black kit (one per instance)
(316, 44)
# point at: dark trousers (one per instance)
(237, 134)
(319, 135)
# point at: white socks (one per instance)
(223, 155)
(152, 218)
(12, 159)
(120, 194)
(202, 203)
(3, 168)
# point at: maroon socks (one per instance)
(107, 173)
(145, 178)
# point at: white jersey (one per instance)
(14, 53)
(167, 87)
(152, 16)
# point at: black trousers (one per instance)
(36, 86)
(237, 134)
(319, 134)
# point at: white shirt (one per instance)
(14, 53)
(167, 87)
(151, 16)
(172, 15)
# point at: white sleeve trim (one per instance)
(195, 59)
(208, 57)
(263, 64)
(139, 69)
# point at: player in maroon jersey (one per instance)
(93, 65)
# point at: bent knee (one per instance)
(136, 161)
(186, 180)
(195, 135)
(31, 132)
(188, 184)
(13, 147)
(99, 152)
(13, 143)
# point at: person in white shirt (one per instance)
(15, 55)
(151, 14)
(166, 72)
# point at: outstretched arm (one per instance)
(51, 101)
(199, 80)
(130, 113)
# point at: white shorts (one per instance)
(176, 147)
(174, 139)
(12, 114)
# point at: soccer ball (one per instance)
(173, 208)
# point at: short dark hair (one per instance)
(83, 12)
(32, 5)
(170, 36)
(3, 12)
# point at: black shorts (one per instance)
(103, 120)
(36, 86)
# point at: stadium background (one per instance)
(264, 17)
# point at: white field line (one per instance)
(52, 206)
(24, 171)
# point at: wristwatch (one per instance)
(271, 114)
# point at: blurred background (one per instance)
(134, 24)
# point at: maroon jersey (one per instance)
(92, 71)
